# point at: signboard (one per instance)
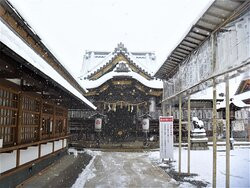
(98, 124)
(166, 137)
(145, 125)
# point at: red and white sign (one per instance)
(166, 137)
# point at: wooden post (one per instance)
(214, 134)
(164, 108)
(180, 127)
(227, 134)
(40, 126)
(213, 59)
(54, 122)
(189, 128)
(19, 124)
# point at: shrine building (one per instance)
(122, 86)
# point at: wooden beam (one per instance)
(7, 149)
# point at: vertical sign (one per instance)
(166, 137)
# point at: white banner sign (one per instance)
(166, 137)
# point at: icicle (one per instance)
(109, 108)
(121, 104)
(132, 108)
(114, 107)
(128, 107)
(104, 106)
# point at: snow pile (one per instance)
(88, 172)
(202, 161)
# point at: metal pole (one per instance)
(180, 134)
(227, 134)
(214, 134)
(189, 127)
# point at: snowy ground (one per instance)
(122, 169)
(201, 164)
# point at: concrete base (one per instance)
(17, 177)
(199, 139)
(198, 145)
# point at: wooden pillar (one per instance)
(227, 134)
(213, 59)
(54, 122)
(189, 129)
(53, 127)
(214, 134)
(164, 112)
(170, 109)
(180, 135)
(40, 126)
(19, 125)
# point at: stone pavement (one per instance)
(62, 173)
(124, 169)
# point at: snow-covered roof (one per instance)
(220, 88)
(237, 100)
(10, 39)
(94, 60)
(89, 84)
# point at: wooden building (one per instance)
(121, 85)
(36, 92)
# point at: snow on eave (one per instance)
(184, 35)
(32, 31)
(237, 100)
(155, 84)
(10, 39)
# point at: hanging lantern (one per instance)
(1, 142)
(98, 124)
(145, 125)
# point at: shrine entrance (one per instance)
(121, 125)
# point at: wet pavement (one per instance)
(102, 169)
(125, 169)
(62, 173)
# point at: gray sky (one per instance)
(69, 27)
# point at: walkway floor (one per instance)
(62, 173)
(124, 169)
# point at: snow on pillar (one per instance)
(152, 106)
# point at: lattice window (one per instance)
(47, 126)
(60, 123)
(48, 109)
(30, 119)
(8, 115)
